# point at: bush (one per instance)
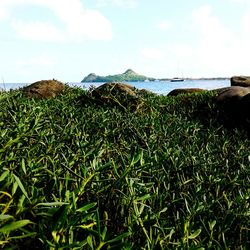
(82, 176)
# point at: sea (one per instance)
(157, 87)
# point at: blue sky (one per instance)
(68, 39)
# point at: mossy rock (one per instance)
(176, 92)
(44, 89)
(243, 81)
(117, 94)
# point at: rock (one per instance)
(245, 107)
(114, 88)
(243, 81)
(232, 94)
(219, 90)
(143, 92)
(117, 94)
(234, 104)
(176, 92)
(44, 89)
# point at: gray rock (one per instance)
(176, 92)
(234, 103)
(232, 94)
(245, 107)
(219, 90)
(243, 81)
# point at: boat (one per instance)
(177, 79)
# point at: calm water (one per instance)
(161, 87)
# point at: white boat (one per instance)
(177, 79)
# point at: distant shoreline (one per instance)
(131, 76)
(197, 78)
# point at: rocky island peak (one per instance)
(130, 72)
(128, 76)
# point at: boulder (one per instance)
(117, 94)
(232, 94)
(114, 88)
(176, 92)
(44, 89)
(243, 81)
(219, 90)
(143, 92)
(235, 106)
(245, 107)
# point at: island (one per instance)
(131, 76)
(128, 76)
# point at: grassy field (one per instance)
(76, 175)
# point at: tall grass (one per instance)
(87, 176)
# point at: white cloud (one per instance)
(210, 26)
(217, 43)
(217, 50)
(36, 67)
(3, 14)
(42, 60)
(245, 26)
(221, 50)
(164, 25)
(120, 3)
(37, 31)
(79, 23)
(92, 25)
(239, 1)
(152, 53)
(182, 51)
(4, 11)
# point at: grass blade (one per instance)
(14, 226)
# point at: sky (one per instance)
(68, 39)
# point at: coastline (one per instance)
(159, 87)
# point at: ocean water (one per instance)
(164, 87)
(158, 87)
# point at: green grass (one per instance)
(82, 176)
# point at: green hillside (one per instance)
(128, 76)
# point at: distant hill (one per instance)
(128, 76)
